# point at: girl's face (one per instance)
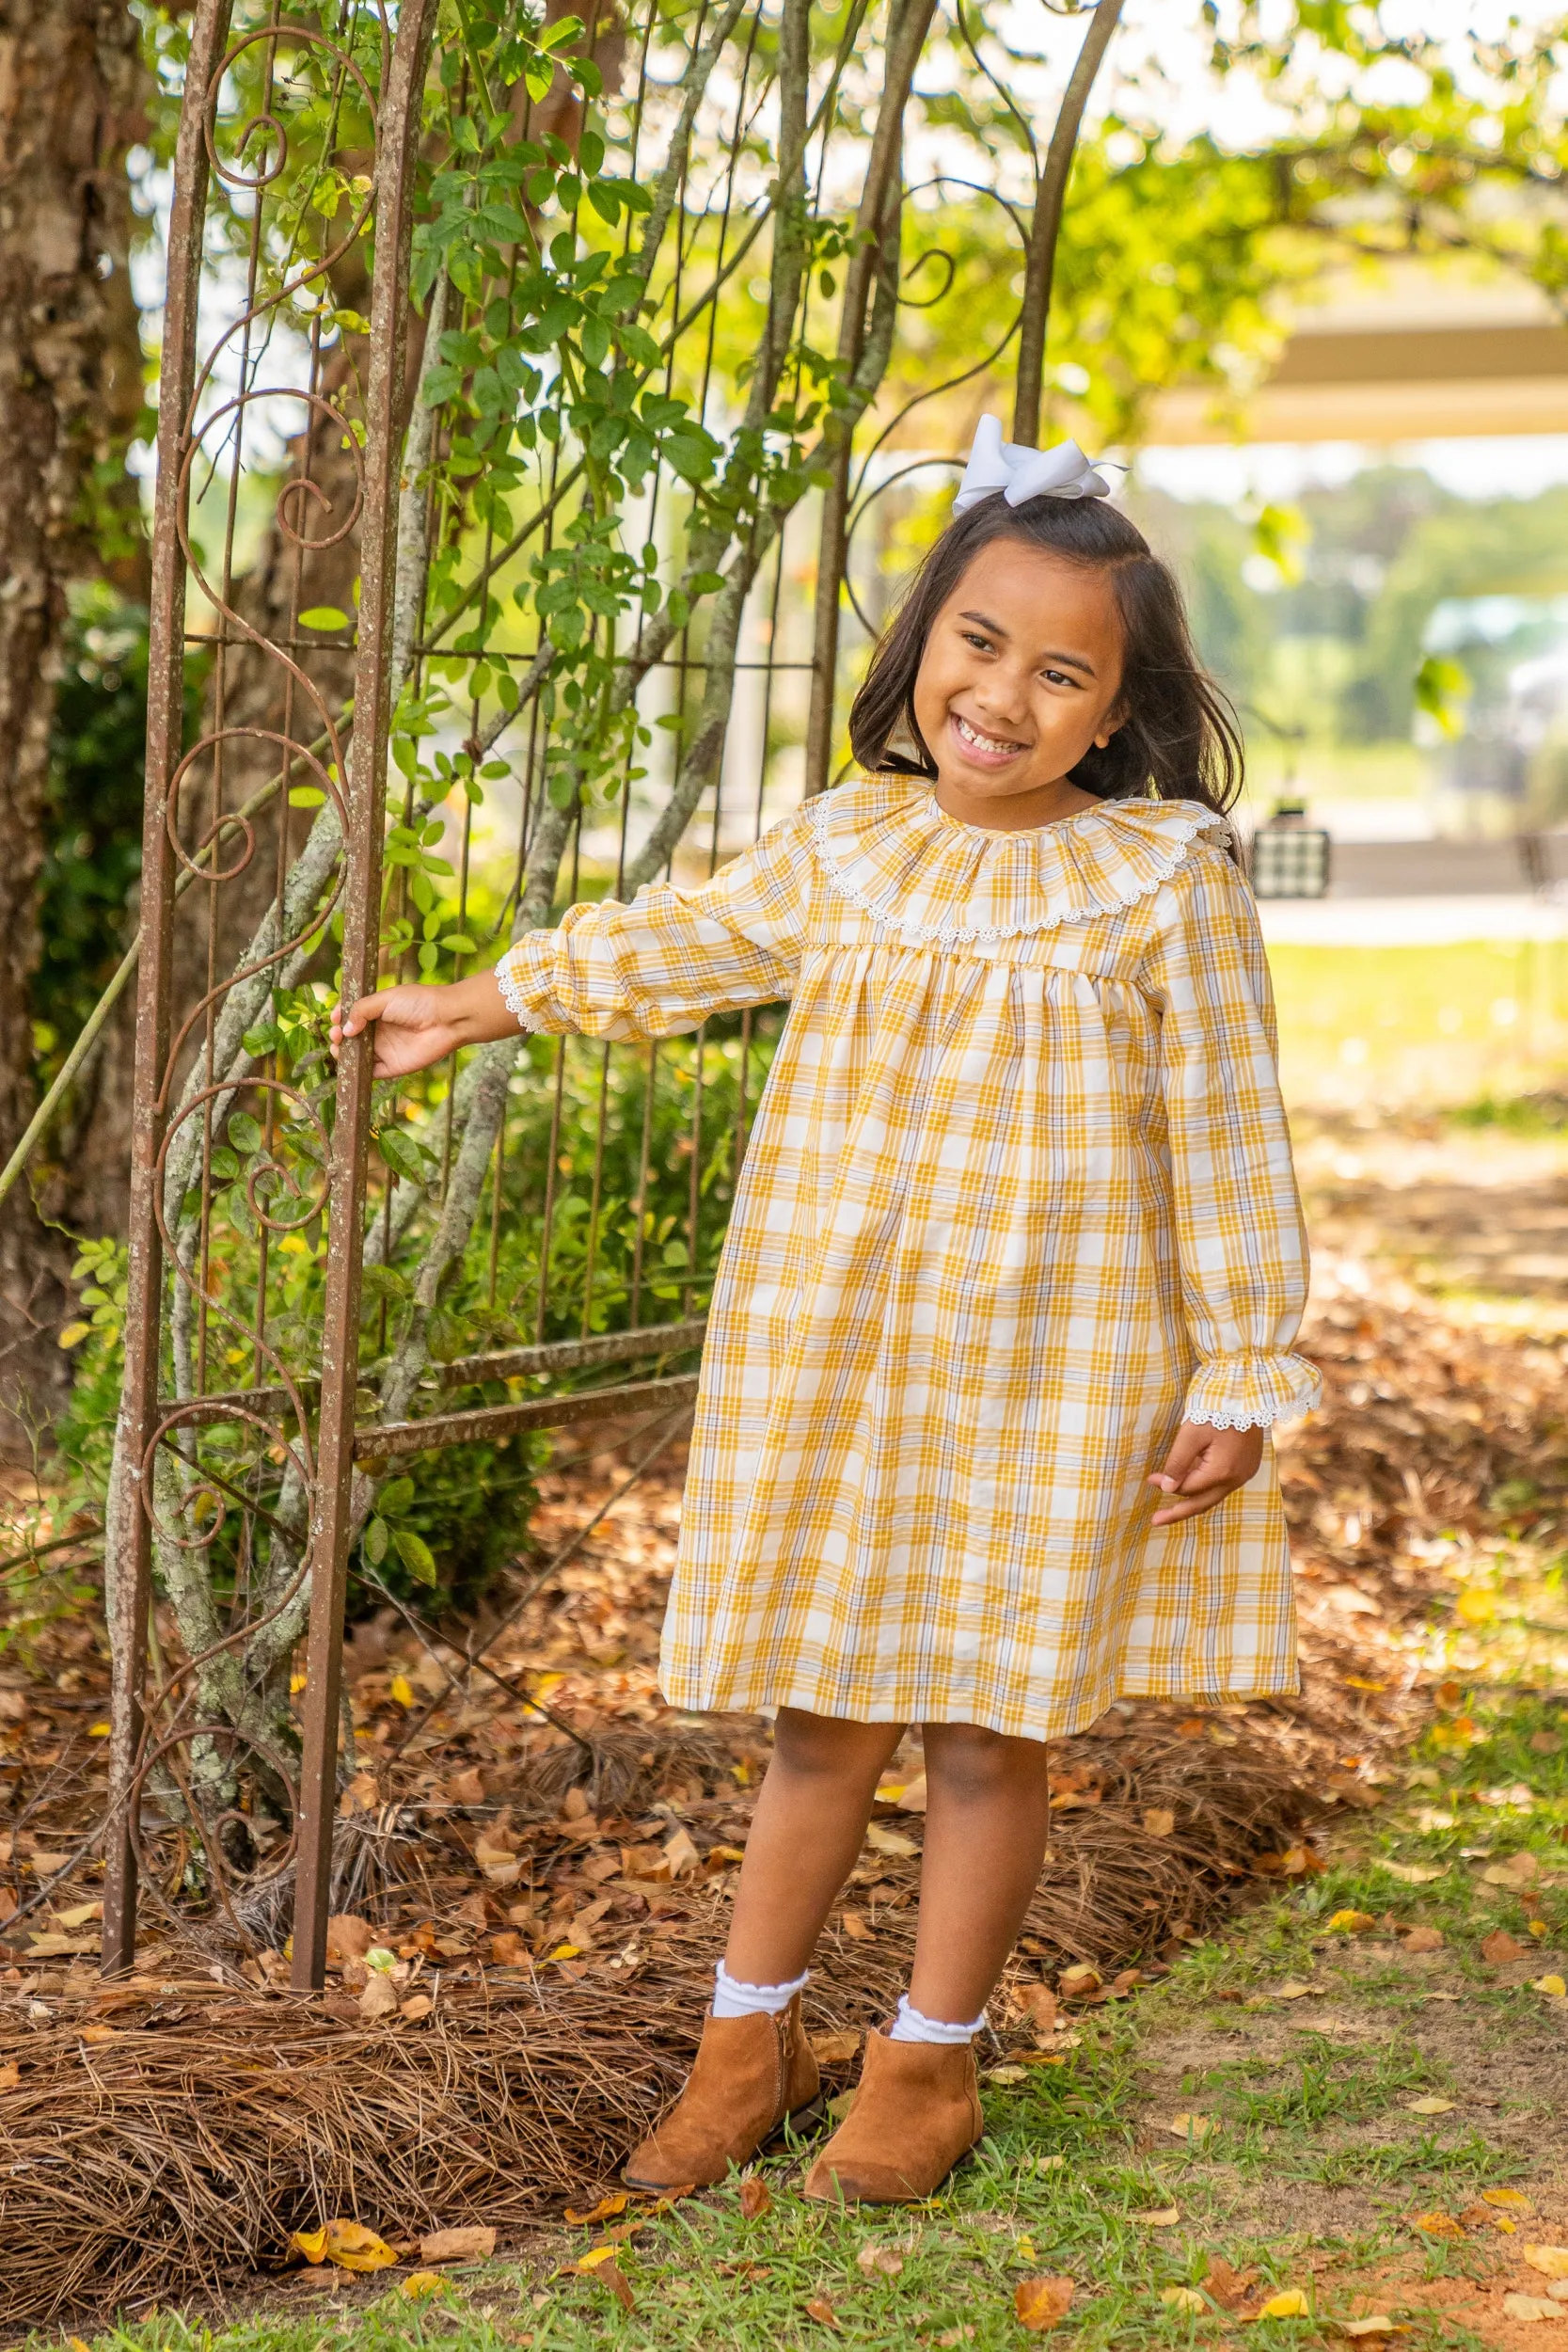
(1021, 675)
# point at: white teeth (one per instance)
(982, 742)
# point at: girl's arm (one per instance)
(650, 969)
(1240, 1230)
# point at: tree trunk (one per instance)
(69, 396)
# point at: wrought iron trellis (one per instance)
(250, 1172)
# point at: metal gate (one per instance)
(298, 1236)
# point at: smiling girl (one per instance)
(1011, 1284)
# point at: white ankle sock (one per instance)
(731, 1999)
(911, 2026)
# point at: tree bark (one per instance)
(71, 85)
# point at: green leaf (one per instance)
(415, 1555)
(306, 796)
(324, 616)
(245, 1132)
(395, 1498)
(374, 1541)
(403, 1154)
(262, 1040)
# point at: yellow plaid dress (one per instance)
(1018, 1202)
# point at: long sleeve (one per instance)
(673, 957)
(1240, 1237)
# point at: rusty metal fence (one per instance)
(397, 769)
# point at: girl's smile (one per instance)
(1019, 676)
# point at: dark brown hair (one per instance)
(1178, 740)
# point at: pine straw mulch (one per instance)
(166, 2134)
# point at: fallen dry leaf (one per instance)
(1158, 2217)
(1506, 2200)
(1294, 1989)
(1351, 1923)
(893, 1841)
(417, 2007)
(1528, 2307)
(1227, 2287)
(10, 2075)
(822, 2311)
(1518, 1870)
(1038, 2003)
(962, 2334)
(1555, 1985)
(1290, 2303)
(1077, 1982)
(1422, 1940)
(879, 2261)
(1039, 2303)
(757, 2197)
(465, 1788)
(1371, 2324)
(606, 2210)
(1499, 1947)
(80, 1915)
(854, 1924)
(99, 2033)
(348, 2244)
(1436, 2224)
(348, 1937)
(1551, 2260)
(680, 1853)
(612, 2274)
(474, 2244)
(379, 1999)
(1192, 2127)
(421, 2283)
(1433, 2106)
(1183, 2300)
(1415, 1873)
(835, 2049)
(1159, 1821)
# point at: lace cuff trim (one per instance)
(512, 998)
(1282, 1390)
(946, 936)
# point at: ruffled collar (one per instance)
(887, 847)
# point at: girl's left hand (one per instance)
(1204, 1466)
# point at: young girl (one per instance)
(1009, 1289)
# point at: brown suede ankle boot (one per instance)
(753, 2076)
(916, 2113)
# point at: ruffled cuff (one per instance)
(509, 980)
(1251, 1389)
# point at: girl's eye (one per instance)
(1058, 677)
(972, 637)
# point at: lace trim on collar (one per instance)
(1182, 832)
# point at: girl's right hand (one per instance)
(414, 1027)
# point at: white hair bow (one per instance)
(1020, 472)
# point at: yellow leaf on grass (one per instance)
(822, 2311)
(1429, 2107)
(1415, 1873)
(1506, 2200)
(1290, 2303)
(1158, 2218)
(1551, 2260)
(1191, 2127)
(757, 2197)
(1351, 1923)
(1553, 1984)
(606, 2210)
(1039, 2303)
(1475, 1605)
(348, 2244)
(1294, 1989)
(421, 2283)
(1183, 2300)
(1436, 2224)
(1373, 2324)
(879, 2261)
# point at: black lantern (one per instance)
(1290, 857)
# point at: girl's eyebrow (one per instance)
(1064, 660)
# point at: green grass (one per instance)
(1325, 2116)
(1478, 1020)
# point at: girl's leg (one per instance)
(806, 1834)
(986, 1813)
